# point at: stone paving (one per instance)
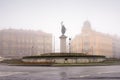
(59, 73)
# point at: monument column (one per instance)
(63, 43)
(63, 39)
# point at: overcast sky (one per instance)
(46, 15)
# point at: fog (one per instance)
(46, 15)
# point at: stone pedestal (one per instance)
(63, 43)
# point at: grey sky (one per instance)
(46, 15)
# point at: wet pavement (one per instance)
(59, 73)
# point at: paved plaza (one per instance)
(59, 73)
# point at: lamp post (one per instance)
(92, 50)
(82, 45)
(44, 45)
(69, 45)
(54, 44)
(32, 50)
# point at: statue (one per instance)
(63, 39)
(63, 30)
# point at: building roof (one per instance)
(86, 26)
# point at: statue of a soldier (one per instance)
(63, 29)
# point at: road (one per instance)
(59, 73)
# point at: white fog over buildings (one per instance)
(95, 43)
(18, 43)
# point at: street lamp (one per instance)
(32, 50)
(69, 45)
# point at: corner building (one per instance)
(18, 43)
(116, 46)
(92, 42)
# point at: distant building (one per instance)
(116, 46)
(95, 43)
(18, 43)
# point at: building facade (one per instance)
(116, 46)
(95, 43)
(18, 43)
